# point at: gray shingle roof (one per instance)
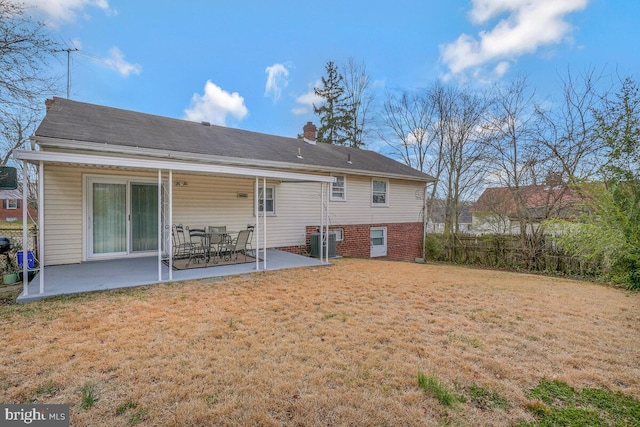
(111, 128)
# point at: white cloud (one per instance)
(528, 26)
(116, 62)
(276, 80)
(215, 105)
(308, 99)
(57, 12)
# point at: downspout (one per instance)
(424, 221)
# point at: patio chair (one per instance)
(250, 249)
(198, 249)
(181, 246)
(236, 246)
(217, 236)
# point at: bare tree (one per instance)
(409, 127)
(566, 134)
(15, 130)
(25, 48)
(461, 114)
(358, 98)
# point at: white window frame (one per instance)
(386, 193)
(344, 189)
(273, 212)
(339, 232)
(12, 203)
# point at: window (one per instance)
(339, 232)
(379, 192)
(269, 201)
(12, 203)
(339, 188)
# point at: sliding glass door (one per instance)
(122, 217)
(144, 217)
(109, 220)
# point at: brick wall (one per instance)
(404, 240)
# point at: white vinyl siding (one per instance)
(214, 200)
(408, 199)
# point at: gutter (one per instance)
(209, 159)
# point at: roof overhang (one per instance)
(173, 165)
(113, 149)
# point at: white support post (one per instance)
(170, 223)
(264, 221)
(41, 224)
(256, 229)
(321, 222)
(326, 258)
(159, 225)
(25, 226)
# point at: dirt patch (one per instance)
(339, 345)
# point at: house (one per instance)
(114, 181)
(11, 206)
(499, 210)
(436, 221)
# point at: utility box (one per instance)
(315, 245)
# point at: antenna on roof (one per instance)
(68, 50)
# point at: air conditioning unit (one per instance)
(315, 245)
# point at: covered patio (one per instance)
(131, 272)
(127, 269)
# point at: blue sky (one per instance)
(253, 64)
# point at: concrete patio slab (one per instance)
(124, 273)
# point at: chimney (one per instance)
(49, 102)
(309, 132)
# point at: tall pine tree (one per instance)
(334, 112)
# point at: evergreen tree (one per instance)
(334, 112)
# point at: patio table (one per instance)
(216, 239)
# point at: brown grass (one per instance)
(340, 345)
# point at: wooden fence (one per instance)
(510, 252)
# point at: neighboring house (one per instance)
(496, 210)
(436, 223)
(11, 207)
(102, 170)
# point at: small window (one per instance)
(269, 201)
(339, 232)
(12, 203)
(339, 188)
(379, 192)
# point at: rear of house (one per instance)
(114, 181)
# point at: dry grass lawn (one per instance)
(331, 346)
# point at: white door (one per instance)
(378, 238)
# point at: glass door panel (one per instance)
(109, 212)
(144, 217)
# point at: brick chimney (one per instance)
(309, 132)
(49, 102)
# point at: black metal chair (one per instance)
(181, 246)
(198, 249)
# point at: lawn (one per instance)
(362, 342)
